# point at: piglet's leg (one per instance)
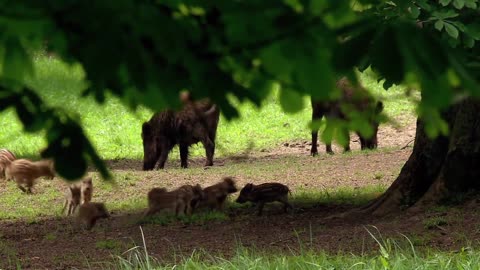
(260, 208)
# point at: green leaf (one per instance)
(354, 50)
(314, 74)
(424, 4)
(414, 12)
(342, 135)
(385, 51)
(468, 41)
(471, 4)
(461, 27)
(445, 2)
(451, 30)
(448, 14)
(296, 5)
(439, 25)
(63, 165)
(473, 30)
(16, 62)
(316, 124)
(290, 100)
(318, 6)
(459, 4)
(275, 62)
(327, 134)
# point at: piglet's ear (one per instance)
(248, 187)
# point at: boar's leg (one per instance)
(69, 205)
(65, 207)
(260, 208)
(346, 133)
(91, 223)
(181, 208)
(209, 150)
(162, 159)
(221, 202)
(188, 209)
(286, 204)
(28, 188)
(328, 148)
(74, 207)
(184, 155)
(363, 142)
(317, 114)
(151, 211)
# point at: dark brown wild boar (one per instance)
(196, 122)
(264, 193)
(355, 97)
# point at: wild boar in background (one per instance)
(196, 122)
(354, 97)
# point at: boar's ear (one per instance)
(146, 129)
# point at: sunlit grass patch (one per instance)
(390, 255)
(115, 129)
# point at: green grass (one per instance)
(115, 132)
(115, 129)
(434, 222)
(16, 204)
(390, 255)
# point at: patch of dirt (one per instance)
(58, 243)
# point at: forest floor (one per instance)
(322, 187)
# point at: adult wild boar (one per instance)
(355, 97)
(196, 122)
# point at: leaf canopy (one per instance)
(146, 52)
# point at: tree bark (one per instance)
(438, 168)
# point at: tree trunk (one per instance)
(438, 168)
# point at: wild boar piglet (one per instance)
(264, 193)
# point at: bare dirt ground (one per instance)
(57, 243)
